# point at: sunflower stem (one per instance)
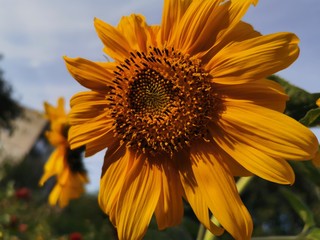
(201, 232)
(205, 234)
(243, 182)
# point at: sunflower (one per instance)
(64, 163)
(184, 108)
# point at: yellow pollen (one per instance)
(161, 101)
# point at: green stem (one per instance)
(205, 234)
(243, 182)
(201, 232)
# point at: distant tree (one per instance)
(9, 108)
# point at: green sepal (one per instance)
(312, 118)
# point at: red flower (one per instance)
(75, 236)
(22, 227)
(23, 193)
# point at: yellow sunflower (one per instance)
(183, 108)
(64, 163)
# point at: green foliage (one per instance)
(312, 118)
(32, 218)
(314, 234)
(28, 216)
(300, 101)
(300, 208)
(309, 171)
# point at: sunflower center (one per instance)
(161, 101)
(149, 92)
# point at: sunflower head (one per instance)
(184, 107)
(161, 101)
(65, 164)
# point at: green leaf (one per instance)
(312, 118)
(308, 170)
(300, 207)
(300, 101)
(314, 234)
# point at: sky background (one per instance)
(35, 34)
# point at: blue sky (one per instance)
(35, 34)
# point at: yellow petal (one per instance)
(205, 24)
(91, 125)
(236, 169)
(153, 35)
(85, 106)
(316, 159)
(113, 175)
(54, 196)
(173, 11)
(55, 113)
(217, 185)
(240, 32)
(269, 131)
(169, 210)
(236, 11)
(196, 199)
(272, 169)
(54, 164)
(262, 92)
(92, 132)
(138, 199)
(135, 30)
(254, 58)
(69, 186)
(116, 45)
(55, 138)
(105, 140)
(191, 35)
(90, 74)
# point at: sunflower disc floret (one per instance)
(161, 101)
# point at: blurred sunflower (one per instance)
(64, 163)
(184, 108)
